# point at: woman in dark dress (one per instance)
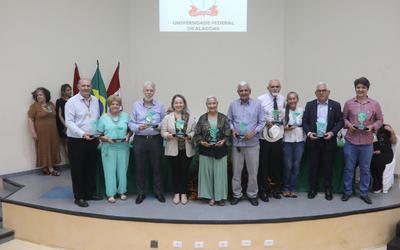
(383, 155)
(66, 93)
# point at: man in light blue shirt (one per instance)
(246, 119)
(146, 118)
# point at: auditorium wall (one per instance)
(298, 42)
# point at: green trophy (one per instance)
(243, 126)
(179, 125)
(275, 115)
(319, 128)
(362, 115)
(94, 125)
(213, 133)
(294, 116)
(117, 131)
(149, 119)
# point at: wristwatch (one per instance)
(254, 133)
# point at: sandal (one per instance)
(55, 173)
(221, 203)
(211, 203)
(123, 197)
(111, 199)
(46, 171)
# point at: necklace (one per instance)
(117, 121)
(48, 110)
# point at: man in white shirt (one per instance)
(270, 152)
(81, 116)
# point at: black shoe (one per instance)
(276, 195)
(93, 197)
(328, 195)
(81, 203)
(366, 199)
(264, 197)
(313, 192)
(140, 198)
(253, 201)
(345, 197)
(235, 201)
(160, 198)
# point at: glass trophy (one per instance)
(213, 133)
(149, 119)
(319, 128)
(275, 116)
(94, 125)
(294, 116)
(179, 125)
(117, 131)
(362, 115)
(243, 126)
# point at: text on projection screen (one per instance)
(203, 15)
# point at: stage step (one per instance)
(6, 235)
(394, 244)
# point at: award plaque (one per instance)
(179, 125)
(294, 116)
(275, 115)
(319, 128)
(213, 133)
(149, 119)
(362, 115)
(243, 126)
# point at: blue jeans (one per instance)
(364, 155)
(292, 153)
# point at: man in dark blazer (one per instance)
(321, 138)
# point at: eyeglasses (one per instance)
(321, 91)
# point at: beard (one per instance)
(148, 99)
(275, 94)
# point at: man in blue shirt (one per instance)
(246, 119)
(146, 118)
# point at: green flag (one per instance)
(99, 90)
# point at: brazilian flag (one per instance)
(99, 90)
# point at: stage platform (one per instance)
(40, 209)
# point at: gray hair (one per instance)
(242, 84)
(151, 84)
(273, 80)
(322, 83)
(84, 79)
(211, 96)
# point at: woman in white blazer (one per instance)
(178, 129)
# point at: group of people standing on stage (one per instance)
(262, 133)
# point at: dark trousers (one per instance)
(180, 167)
(270, 162)
(378, 165)
(83, 162)
(148, 147)
(319, 155)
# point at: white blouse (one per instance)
(297, 134)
